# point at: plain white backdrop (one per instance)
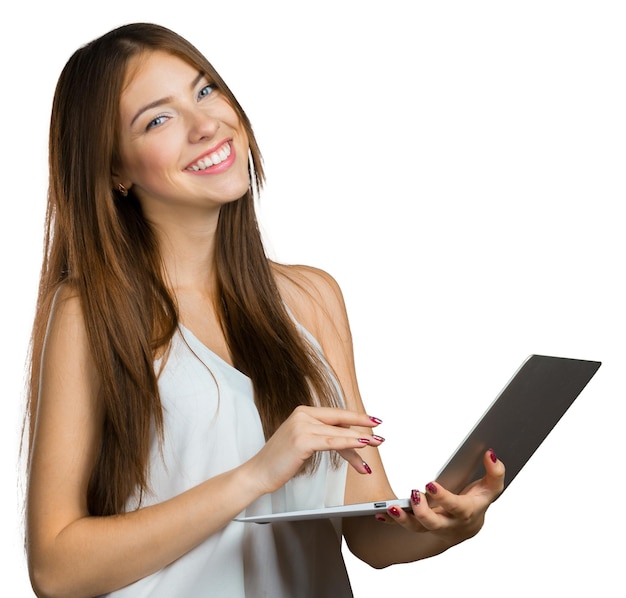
(459, 168)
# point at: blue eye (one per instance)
(156, 122)
(207, 90)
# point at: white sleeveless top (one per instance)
(211, 425)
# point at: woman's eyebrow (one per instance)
(165, 100)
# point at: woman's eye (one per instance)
(207, 90)
(156, 122)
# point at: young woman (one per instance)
(179, 377)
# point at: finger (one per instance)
(339, 437)
(454, 505)
(426, 509)
(337, 425)
(339, 417)
(406, 519)
(356, 461)
(495, 473)
(491, 484)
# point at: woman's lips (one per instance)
(215, 160)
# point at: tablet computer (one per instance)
(514, 425)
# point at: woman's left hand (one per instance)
(452, 517)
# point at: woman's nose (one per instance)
(203, 126)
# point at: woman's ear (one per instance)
(120, 185)
(123, 191)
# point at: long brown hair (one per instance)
(99, 244)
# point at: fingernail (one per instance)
(380, 518)
(379, 438)
(492, 456)
(376, 420)
(394, 511)
(432, 489)
(415, 497)
(366, 467)
(364, 440)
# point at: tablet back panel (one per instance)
(519, 419)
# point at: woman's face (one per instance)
(182, 145)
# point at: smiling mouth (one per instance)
(213, 159)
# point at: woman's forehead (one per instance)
(157, 67)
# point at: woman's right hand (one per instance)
(306, 431)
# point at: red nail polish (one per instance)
(379, 438)
(492, 456)
(380, 518)
(367, 467)
(415, 497)
(394, 511)
(432, 489)
(376, 420)
(364, 441)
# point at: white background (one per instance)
(459, 168)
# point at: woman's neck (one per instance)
(187, 250)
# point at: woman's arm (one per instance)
(72, 553)
(440, 520)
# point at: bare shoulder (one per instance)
(66, 315)
(314, 283)
(66, 350)
(313, 296)
(67, 301)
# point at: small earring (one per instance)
(123, 191)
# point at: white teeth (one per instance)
(215, 158)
